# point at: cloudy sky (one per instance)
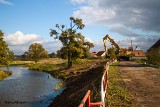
(28, 21)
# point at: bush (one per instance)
(153, 56)
(4, 74)
(77, 61)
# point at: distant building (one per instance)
(101, 53)
(94, 53)
(139, 53)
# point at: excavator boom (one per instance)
(112, 41)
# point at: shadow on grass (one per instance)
(130, 65)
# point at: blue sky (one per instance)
(28, 21)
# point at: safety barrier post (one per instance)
(85, 98)
(89, 104)
(89, 101)
(104, 86)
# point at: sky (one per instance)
(29, 21)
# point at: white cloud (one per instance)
(77, 1)
(143, 15)
(19, 38)
(52, 45)
(88, 40)
(93, 15)
(19, 42)
(6, 2)
(19, 49)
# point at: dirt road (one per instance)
(143, 83)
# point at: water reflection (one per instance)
(27, 88)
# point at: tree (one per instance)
(52, 55)
(153, 56)
(89, 45)
(73, 42)
(111, 52)
(5, 54)
(62, 53)
(36, 52)
(24, 56)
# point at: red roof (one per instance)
(100, 53)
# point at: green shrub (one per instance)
(153, 56)
(4, 74)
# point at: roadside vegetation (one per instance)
(117, 95)
(4, 74)
(153, 56)
(140, 61)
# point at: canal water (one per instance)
(27, 88)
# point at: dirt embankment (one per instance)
(78, 86)
(143, 83)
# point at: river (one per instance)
(27, 88)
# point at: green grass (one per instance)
(58, 67)
(59, 85)
(4, 74)
(23, 63)
(116, 93)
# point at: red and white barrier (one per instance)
(104, 86)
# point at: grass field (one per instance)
(117, 95)
(24, 63)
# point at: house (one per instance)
(94, 54)
(139, 53)
(101, 53)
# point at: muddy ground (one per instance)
(142, 82)
(77, 87)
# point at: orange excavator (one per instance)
(124, 54)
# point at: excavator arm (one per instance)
(107, 37)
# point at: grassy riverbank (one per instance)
(117, 95)
(58, 67)
(4, 74)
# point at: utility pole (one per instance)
(131, 46)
